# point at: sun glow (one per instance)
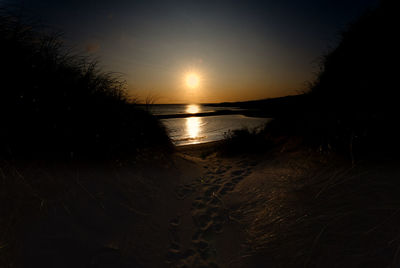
(192, 80)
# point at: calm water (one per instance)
(163, 109)
(199, 129)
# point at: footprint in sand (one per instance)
(215, 201)
(237, 179)
(237, 172)
(200, 245)
(175, 222)
(208, 214)
(217, 181)
(184, 190)
(202, 219)
(209, 190)
(173, 255)
(227, 187)
(219, 171)
(198, 204)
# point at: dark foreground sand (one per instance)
(211, 225)
(288, 207)
(196, 208)
(161, 211)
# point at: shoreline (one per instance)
(248, 113)
(199, 149)
(198, 145)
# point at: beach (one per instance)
(211, 142)
(158, 212)
(198, 207)
(198, 123)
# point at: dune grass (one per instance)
(341, 211)
(352, 104)
(61, 113)
(321, 212)
(54, 102)
(244, 140)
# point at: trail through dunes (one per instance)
(204, 233)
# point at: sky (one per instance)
(237, 50)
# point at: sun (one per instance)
(192, 80)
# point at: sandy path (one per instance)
(203, 233)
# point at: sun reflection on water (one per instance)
(193, 127)
(192, 108)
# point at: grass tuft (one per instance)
(54, 102)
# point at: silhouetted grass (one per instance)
(352, 104)
(335, 212)
(57, 106)
(53, 102)
(243, 141)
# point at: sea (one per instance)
(201, 129)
